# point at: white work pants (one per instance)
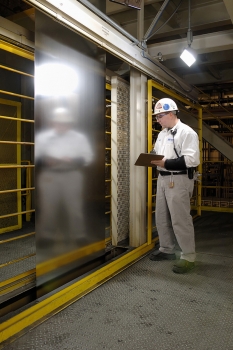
(173, 215)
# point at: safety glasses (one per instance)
(161, 115)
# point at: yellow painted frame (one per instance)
(17, 281)
(218, 209)
(4, 45)
(67, 258)
(60, 300)
(18, 157)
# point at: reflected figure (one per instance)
(61, 155)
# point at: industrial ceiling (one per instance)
(209, 20)
(212, 29)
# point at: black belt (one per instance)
(165, 173)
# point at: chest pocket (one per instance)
(169, 148)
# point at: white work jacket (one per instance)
(185, 141)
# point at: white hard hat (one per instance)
(165, 105)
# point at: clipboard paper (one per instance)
(145, 159)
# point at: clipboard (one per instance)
(145, 159)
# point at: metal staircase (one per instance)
(210, 135)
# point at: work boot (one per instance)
(183, 266)
(158, 256)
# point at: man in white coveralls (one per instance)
(180, 146)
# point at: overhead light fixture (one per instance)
(188, 55)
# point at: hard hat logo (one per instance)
(165, 105)
(158, 105)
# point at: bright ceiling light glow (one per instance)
(55, 80)
(188, 56)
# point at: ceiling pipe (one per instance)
(155, 21)
(173, 81)
(111, 22)
(136, 41)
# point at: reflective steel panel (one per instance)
(69, 153)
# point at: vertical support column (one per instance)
(120, 127)
(140, 22)
(114, 84)
(18, 170)
(138, 144)
(199, 186)
(149, 172)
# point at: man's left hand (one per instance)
(159, 163)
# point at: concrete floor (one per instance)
(149, 307)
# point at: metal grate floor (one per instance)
(149, 307)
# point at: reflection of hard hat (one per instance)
(62, 115)
(165, 105)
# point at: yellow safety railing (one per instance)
(17, 166)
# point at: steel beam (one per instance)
(229, 7)
(201, 44)
(80, 19)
